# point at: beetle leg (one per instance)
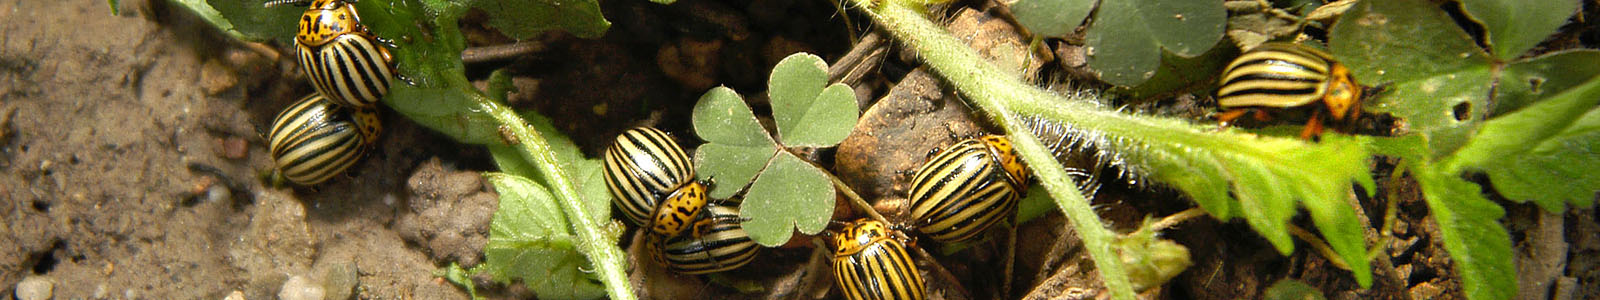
(1226, 118)
(1261, 115)
(1313, 127)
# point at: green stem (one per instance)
(987, 87)
(603, 253)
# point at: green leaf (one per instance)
(1290, 289)
(1562, 169)
(791, 194)
(1514, 26)
(720, 116)
(1524, 82)
(249, 20)
(524, 19)
(1127, 36)
(1178, 73)
(1053, 18)
(528, 240)
(1034, 205)
(808, 111)
(736, 146)
(732, 166)
(1439, 80)
(1479, 246)
(1536, 152)
(1514, 134)
(1402, 40)
(460, 277)
(587, 174)
(1151, 261)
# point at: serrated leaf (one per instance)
(1562, 169)
(736, 146)
(1514, 26)
(808, 111)
(1524, 82)
(528, 240)
(791, 194)
(1536, 152)
(1127, 36)
(524, 19)
(1052, 18)
(1479, 246)
(586, 174)
(251, 20)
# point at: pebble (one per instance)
(300, 288)
(235, 295)
(340, 280)
(34, 288)
(233, 147)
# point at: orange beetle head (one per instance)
(1343, 96)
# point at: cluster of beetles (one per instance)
(955, 196)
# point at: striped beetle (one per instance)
(718, 243)
(1286, 75)
(314, 139)
(869, 263)
(651, 181)
(340, 56)
(967, 188)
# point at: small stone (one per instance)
(300, 288)
(233, 147)
(235, 295)
(34, 288)
(216, 77)
(339, 280)
(214, 194)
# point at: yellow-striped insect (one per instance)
(718, 243)
(1286, 75)
(674, 214)
(314, 139)
(651, 181)
(340, 56)
(967, 188)
(869, 263)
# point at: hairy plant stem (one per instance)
(601, 252)
(987, 87)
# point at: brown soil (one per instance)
(131, 148)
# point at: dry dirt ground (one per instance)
(131, 151)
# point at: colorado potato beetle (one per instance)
(674, 213)
(967, 188)
(341, 57)
(1286, 75)
(314, 139)
(718, 243)
(869, 263)
(644, 167)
